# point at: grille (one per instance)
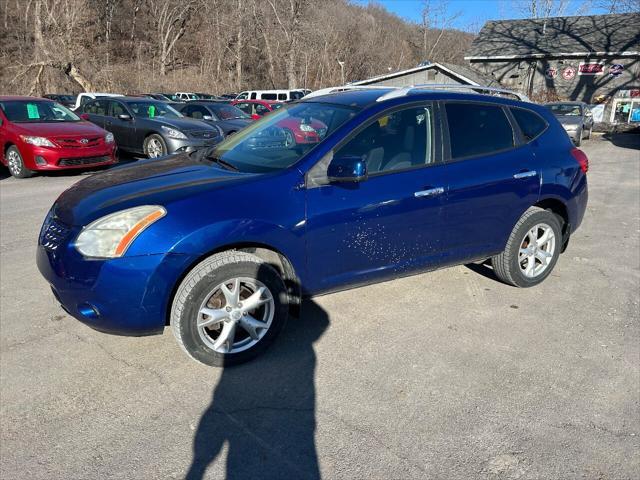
(204, 134)
(74, 162)
(78, 142)
(53, 233)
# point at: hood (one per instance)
(147, 182)
(56, 129)
(238, 123)
(183, 124)
(569, 120)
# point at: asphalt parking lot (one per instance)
(446, 375)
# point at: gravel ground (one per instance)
(447, 375)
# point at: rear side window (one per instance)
(268, 96)
(529, 122)
(476, 129)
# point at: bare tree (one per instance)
(619, 6)
(170, 18)
(288, 15)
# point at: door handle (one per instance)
(530, 173)
(432, 192)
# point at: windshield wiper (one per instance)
(223, 163)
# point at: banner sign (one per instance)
(591, 69)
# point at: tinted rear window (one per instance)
(476, 129)
(529, 122)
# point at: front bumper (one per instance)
(122, 296)
(45, 158)
(190, 144)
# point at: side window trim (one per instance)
(447, 137)
(436, 142)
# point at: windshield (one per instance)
(565, 109)
(280, 139)
(228, 112)
(20, 111)
(153, 110)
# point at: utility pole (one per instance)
(341, 70)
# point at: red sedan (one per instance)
(39, 134)
(296, 130)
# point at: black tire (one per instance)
(578, 139)
(507, 266)
(148, 142)
(15, 163)
(196, 289)
(589, 133)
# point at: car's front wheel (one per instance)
(155, 146)
(15, 163)
(532, 250)
(229, 308)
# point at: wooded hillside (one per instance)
(209, 45)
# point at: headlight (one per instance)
(111, 235)
(306, 128)
(37, 141)
(173, 133)
(108, 138)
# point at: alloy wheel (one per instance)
(536, 250)
(13, 163)
(235, 315)
(154, 148)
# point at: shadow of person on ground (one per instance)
(625, 140)
(265, 409)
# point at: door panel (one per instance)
(359, 232)
(123, 130)
(491, 188)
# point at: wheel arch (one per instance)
(558, 207)
(269, 254)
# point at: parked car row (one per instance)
(44, 134)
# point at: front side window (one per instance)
(396, 141)
(529, 122)
(266, 146)
(227, 112)
(477, 129)
(37, 111)
(261, 109)
(297, 95)
(118, 109)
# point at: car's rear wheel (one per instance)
(289, 138)
(578, 139)
(229, 308)
(588, 137)
(532, 250)
(155, 146)
(15, 164)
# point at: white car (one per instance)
(185, 97)
(277, 95)
(87, 96)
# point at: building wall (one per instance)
(535, 77)
(428, 76)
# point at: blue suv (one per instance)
(222, 244)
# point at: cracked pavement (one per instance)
(449, 374)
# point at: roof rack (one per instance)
(403, 91)
(344, 88)
(495, 91)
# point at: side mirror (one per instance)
(207, 117)
(85, 116)
(124, 116)
(350, 168)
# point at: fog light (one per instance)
(40, 160)
(88, 311)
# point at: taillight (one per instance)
(581, 158)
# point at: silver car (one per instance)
(575, 117)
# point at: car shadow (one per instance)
(264, 410)
(624, 140)
(483, 269)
